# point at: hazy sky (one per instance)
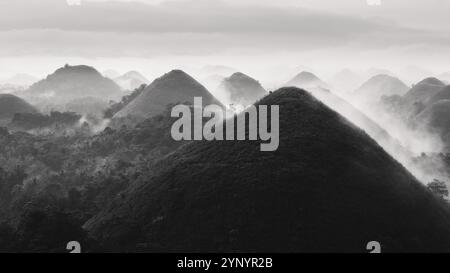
(37, 36)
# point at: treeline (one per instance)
(30, 121)
(51, 185)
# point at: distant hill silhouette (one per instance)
(73, 82)
(111, 73)
(173, 87)
(211, 82)
(436, 117)
(423, 91)
(131, 80)
(11, 105)
(412, 73)
(218, 70)
(374, 71)
(346, 80)
(242, 89)
(381, 85)
(329, 187)
(306, 80)
(419, 97)
(21, 80)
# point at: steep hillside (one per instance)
(443, 94)
(436, 117)
(381, 85)
(423, 91)
(329, 187)
(242, 89)
(11, 105)
(73, 82)
(173, 87)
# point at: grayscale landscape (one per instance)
(87, 153)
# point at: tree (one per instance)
(439, 188)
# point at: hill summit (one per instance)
(423, 91)
(242, 89)
(381, 85)
(328, 188)
(307, 80)
(444, 94)
(73, 82)
(173, 87)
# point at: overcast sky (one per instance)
(37, 36)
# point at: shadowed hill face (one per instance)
(444, 94)
(423, 91)
(432, 81)
(329, 187)
(437, 117)
(381, 85)
(11, 105)
(74, 82)
(242, 89)
(172, 88)
(372, 128)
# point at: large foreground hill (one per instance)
(329, 187)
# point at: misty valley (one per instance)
(94, 159)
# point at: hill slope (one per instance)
(74, 82)
(423, 91)
(10, 105)
(436, 117)
(173, 87)
(329, 187)
(242, 89)
(381, 85)
(443, 94)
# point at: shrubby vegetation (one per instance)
(30, 121)
(116, 107)
(50, 185)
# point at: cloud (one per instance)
(202, 27)
(187, 16)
